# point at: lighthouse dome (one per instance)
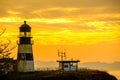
(25, 27)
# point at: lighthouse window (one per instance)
(21, 34)
(28, 34)
(25, 34)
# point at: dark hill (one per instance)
(83, 74)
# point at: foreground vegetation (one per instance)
(82, 74)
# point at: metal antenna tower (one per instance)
(62, 54)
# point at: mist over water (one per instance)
(115, 73)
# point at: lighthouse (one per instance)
(25, 61)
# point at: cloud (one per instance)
(70, 37)
(13, 12)
(57, 8)
(90, 16)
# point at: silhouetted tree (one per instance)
(5, 51)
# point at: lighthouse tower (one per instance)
(25, 61)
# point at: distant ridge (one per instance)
(101, 65)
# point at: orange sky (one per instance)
(89, 30)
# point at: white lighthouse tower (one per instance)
(25, 62)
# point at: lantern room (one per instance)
(25, 30)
